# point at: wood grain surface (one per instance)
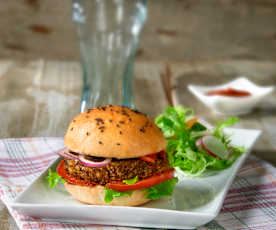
(39, 98)
(175, 30)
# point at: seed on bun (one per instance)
(114, 156)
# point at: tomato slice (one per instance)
(146, 183)
(163, 154)
(72, 180)
(149, 158)
(152, 157)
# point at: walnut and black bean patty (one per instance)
(117, 170)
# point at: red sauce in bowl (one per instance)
(229, 92)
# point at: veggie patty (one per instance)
(117, 170)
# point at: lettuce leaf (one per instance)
(182, 152)
(160, 190)
(220, 125)
(131, 181)
(53, 178)
(111, 194)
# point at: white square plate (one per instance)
(195, 201)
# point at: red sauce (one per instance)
(230, 92)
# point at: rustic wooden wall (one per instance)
(176, 30)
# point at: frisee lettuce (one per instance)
(53, 178)
(220, 125)
(182, 152)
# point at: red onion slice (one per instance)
(66, 154)
(94, 164)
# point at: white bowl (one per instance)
(232, 105)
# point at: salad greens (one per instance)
(53, 178)
(183, 152)
(220, 125)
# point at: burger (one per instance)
(115, 155)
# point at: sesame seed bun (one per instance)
(95, 195)
(114, 132)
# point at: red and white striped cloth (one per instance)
(250, 203)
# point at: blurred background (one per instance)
(176, 30)
(183, 42)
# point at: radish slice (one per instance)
(214, 147)
(198, 142)
(65, 153)
(83, 159)
(199, 145)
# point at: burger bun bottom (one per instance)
(95, 195)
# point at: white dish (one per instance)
(195, 202)
(232, 105)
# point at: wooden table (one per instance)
(39, 98)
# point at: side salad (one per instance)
(194, 148)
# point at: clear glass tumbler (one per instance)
(108, 32)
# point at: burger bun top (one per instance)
(114, 132)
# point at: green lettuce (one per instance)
(220, 125)
(111, 194)
(53, 178)
(182, 152)
(161, 190)
(131, 181)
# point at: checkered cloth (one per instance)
(250, 203)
